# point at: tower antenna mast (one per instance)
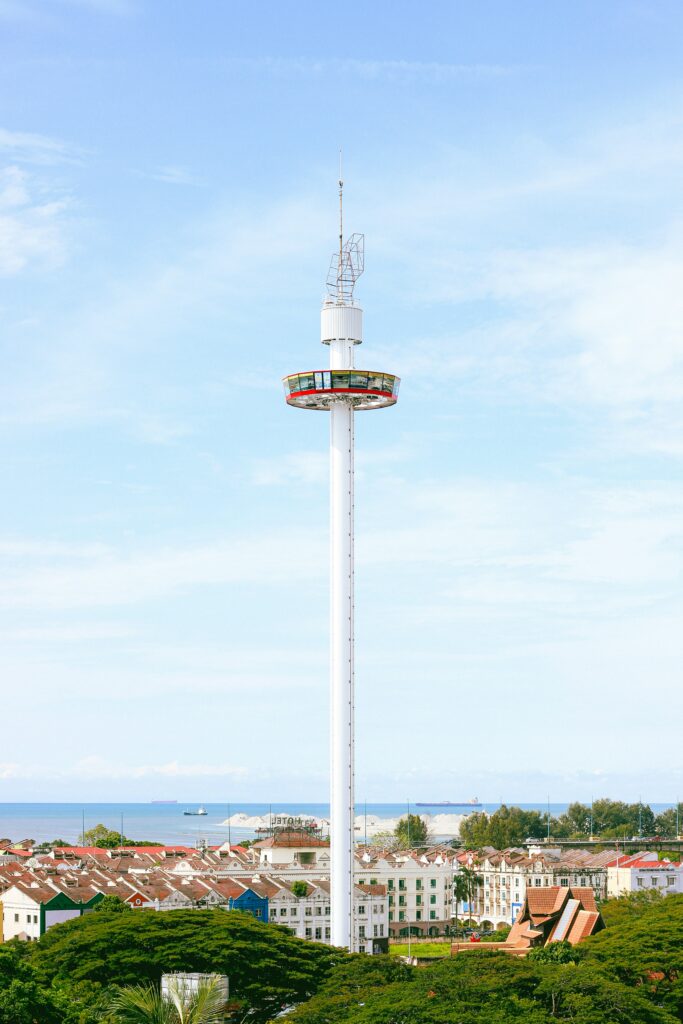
(342, 390)
(341, 230)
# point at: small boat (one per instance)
(200, 810)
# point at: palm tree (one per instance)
(460, 893)
(471, 880)
(145, 1004)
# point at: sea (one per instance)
(167, 823)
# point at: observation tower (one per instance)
(342, 390)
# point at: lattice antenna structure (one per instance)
(346, 266)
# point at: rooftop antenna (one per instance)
(348, 262)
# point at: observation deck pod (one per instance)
(320, 389)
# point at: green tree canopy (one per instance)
(268, 968)
(109, 839)
(642, 945)
(411, 831)
(669, 822)
(508, 826)
(22, 999)
(478, 987)
(111, 904)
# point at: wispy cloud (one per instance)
(372, 69)
(32, 230)
(94, 767)
(110, 579)
(28, 147)
(172, 175)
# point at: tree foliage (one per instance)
(608, 819)
(111, 904)
(411, 831)
(508, 826)
(109, 839)
(22, 999)
(478, 987)
(268, 968)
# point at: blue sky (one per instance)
(167, 213)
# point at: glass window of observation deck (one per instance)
(340, 379)
(359, 381)
(306, 382)
(375, 381)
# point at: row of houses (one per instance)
(35, 897)
(285, 879)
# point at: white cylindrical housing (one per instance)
(341, 323)
(341, 657)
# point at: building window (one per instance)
(418, 883)
(381, 931)
(319, 911)
(390, 884)
(432, 915)
(391, 915)
(537, 881)
(327, 933)
(418, 901)
(432, 882)
(292, 912)
(283, 911)
(361, 949)
(391, 899)
(670, 880)
(418, 915)
(375, 931)
(432, 899)
(401, 883)
(308, 911)
(361, 931)
(653, 881)
(361, 909)
(564, 882)
(327, 911)
(373, 881)
(401, 901)
(401, 915)
(309, 933)
(318, 933)
(16, 918)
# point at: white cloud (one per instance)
(30, 147)
(110, 579)
(99, 768)
(32, 230)
(390, 70)
(173, 175)
(89, 768)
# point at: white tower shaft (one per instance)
(341, 655)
